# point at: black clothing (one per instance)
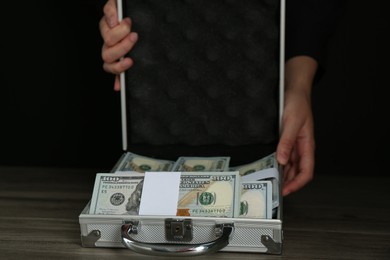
(309, 25)
(206, 78)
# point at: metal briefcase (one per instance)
(199, 66)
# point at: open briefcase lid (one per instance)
(207, 78)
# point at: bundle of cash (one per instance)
(260, 170)
(209, 194)
(256, 199)
(270, 174)
(208, 186)
(214, 194)
(139, 163)
(116, 193)
(201, 164)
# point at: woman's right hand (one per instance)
(118, 40)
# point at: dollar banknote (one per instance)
(201, 164)
(271, 174)
(256, 199)
(209, 194)
(267, 162)
(139, 163)
(262, 164)
(116, 193)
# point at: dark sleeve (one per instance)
(309, 25)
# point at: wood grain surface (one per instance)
(334, 217)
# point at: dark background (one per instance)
(58, 107)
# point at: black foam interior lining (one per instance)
(205, 77)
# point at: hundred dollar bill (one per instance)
(201, 164)
(209, 194)
(256, 199)
(267, 162)
(116, 193)
(262, 164)
(138, 163)
(271, 174)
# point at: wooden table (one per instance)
(334, 217)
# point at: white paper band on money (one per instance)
(160, 193)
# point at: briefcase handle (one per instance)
(176, 249)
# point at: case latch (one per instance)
(90, 239)
(178, 229)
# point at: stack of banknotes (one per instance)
(208, 187)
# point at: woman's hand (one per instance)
(118, 41)
(296, 146)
